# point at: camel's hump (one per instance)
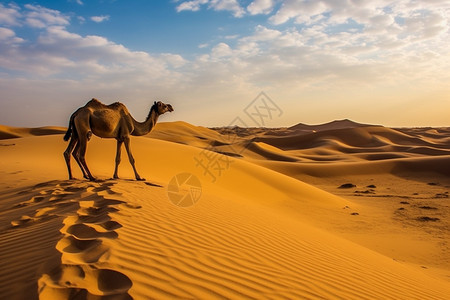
(95, 104)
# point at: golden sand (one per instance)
(268, 219)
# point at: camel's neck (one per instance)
(142, 128)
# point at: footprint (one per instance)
(133, 206)
(43, 211)
(37, 199)
(96, 211)
(70, 244)
(68, 280)
(107, 226)
(22, 221)
(45, 184)
(106, 202)
(83, 232)
(73, 189)
(81, 252)
(58, 198)
(109, 282)
(34, 199)
(108, 192)
(93, 219)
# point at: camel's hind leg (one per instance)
(68, 152)
(76, 156)
(131, 158)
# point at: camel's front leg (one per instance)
(118, 154)
(82, 156)
(76, 155)
(131, 158)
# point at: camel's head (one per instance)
(162, 107)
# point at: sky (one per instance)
(228, 62)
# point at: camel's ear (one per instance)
(154, 103)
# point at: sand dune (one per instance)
(364, 137)
(8, 132)
(256, 230)
(333, 125)
(185, 133)
(356, 149)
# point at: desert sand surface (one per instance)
(333, 211)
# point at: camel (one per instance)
(107, 121)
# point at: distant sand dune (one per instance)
(8, 132)
(354, 137)
(333, 125)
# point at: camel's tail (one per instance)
(68, 134)
(69, 129)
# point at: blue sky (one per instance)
(374, 61)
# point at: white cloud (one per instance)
(228, 5)
(221, 50)
(191, 5)
(58, 52)
(41, 17)
(218, 5)
(99, 19)
(260, 7)
(302, 11)
(263, 34)
(173, 60)
(9, 36)
(9, 15)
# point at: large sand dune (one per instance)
(270, 220)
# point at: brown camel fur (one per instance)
(107, 121)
